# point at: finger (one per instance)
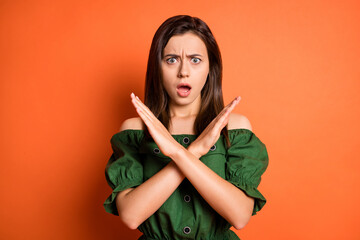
(147, 115)
(228, 108)
(137, 102)
(219, 125)
(231, 104)
(145, 118)
(141, 110)
(144, 109)
(224, 116)
(234, 102)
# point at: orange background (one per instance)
(67, 69)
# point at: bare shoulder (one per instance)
(238, 121)
(132, 123)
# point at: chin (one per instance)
(186, 101)
(183, 101)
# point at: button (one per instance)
(186, 140)
(187, 198)
(156, 151)
(213, 148)
(187, 230)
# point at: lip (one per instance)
(183, 93)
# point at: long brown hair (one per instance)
(156, 97)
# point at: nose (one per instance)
(184, 70)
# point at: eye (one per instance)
(195, 60)
(171, 60)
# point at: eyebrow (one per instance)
(191, 55)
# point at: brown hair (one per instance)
(156, 97)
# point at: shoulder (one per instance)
(132, 123)
(238, 121)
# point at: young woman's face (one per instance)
(184, 68)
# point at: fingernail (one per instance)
(132, 94)
(137, 98)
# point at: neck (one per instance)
(184, 111)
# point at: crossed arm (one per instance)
(221, 195)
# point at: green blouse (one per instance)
(185, 214)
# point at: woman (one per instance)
(186, 168)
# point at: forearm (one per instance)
(137, 204)
(225, 198)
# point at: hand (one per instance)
(212, 132)
(166, 143)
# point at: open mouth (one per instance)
(183, 89)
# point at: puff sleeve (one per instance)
(247, 160)
(124, 168)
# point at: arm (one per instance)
(219, 193)
(225, 198)
(155, 191)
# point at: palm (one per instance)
(167, 143)
(211, 133)
(157, 130)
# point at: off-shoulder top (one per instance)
(185, 214)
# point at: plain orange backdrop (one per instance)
(67, 69)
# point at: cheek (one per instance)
(168, 73)
(203, 75)
(167, 81)
(165, 76)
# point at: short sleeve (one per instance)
(124, 169)
(247, 160)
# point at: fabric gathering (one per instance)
(185, 214)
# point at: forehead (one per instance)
(188, 42)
